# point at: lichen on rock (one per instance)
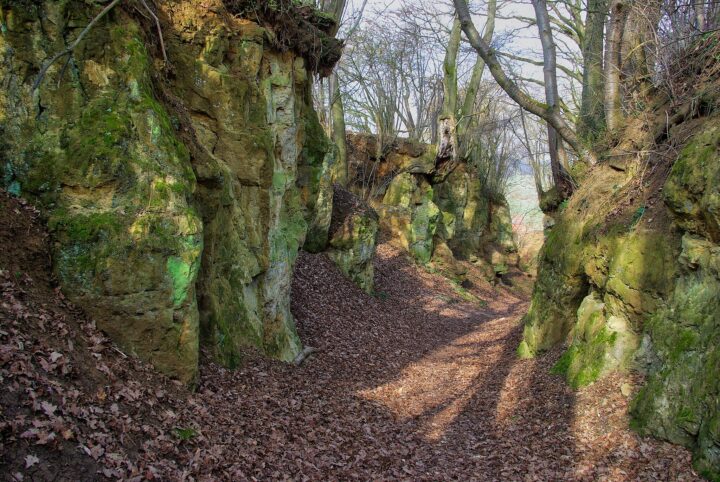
(353, 237)
(177, 205)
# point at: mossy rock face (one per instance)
(599, 342)
(681, 350)
(353, 237)
(412, 157)
(631, 271)
(316, 173)
(418, 206)
(550, 200)
(264, 167)
(454, 212)
(693, 189)
(144, 230)
(411, 215)
(322, 209)
(424, 223)
(472, 224)
(499, 240)
(401, 156)
(559, 290)
(464, 212)
(401, 191)
(501, 228)
(103, 159)
(643, 294)
(640, 270)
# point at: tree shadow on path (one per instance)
(445, 370)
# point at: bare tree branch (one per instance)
(69, 50)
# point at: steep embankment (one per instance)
(179, 194)
(630, 274)
(415, 383)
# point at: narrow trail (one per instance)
(416, 384)
(411, 384)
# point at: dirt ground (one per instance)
(414, 383)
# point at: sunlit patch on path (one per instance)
(437, 388)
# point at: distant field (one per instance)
(524, 208)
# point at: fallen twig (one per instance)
(307, 351)
(159, 30)
(121, 353)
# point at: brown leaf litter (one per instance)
(411, 384)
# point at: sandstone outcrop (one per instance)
(178, 199)
(629, 278)
(353, 237)
(422, 211)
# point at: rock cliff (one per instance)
(178, 195)
(435, 218)
(629, 275)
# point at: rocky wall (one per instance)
(353, 238)
(422, 211)
(177, 197)
(629, 279)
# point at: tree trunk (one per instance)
(322, 110)
(533, 156)
(336, 8)
(561, 177)
(700, 21)
(638, 38)
(551, 116)
(478, 69)
(447, 150)
(592, 112)
(613, 64)
(450, 71)
(338, 131)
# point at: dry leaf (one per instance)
(31, 460)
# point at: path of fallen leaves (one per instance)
(411, 384)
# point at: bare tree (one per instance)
(592, 113)
(392, 80)
(337, 9)
(491, 150)
(558, 158)
(616, 26)
(478, 69)
(530, 138)
(552, 115)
